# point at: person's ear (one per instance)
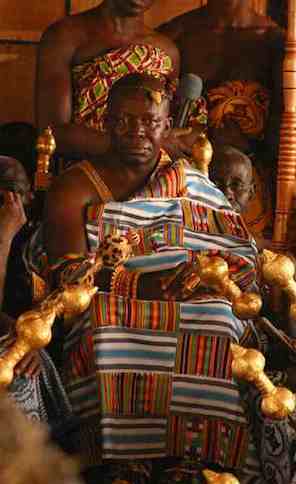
(168, 126)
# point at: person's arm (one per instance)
(54, 105)
(12, 218)
(64, 229)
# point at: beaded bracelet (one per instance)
(124, 283)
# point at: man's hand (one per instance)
(12, 216)
(180, 141)
(29, 366)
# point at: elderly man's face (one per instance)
(138, 126)
(132, 8)
(235, 180)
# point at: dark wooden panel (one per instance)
(26, 19)
(17, 79)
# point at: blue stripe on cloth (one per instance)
(206, 396)
(119, 348)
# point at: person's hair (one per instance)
(224, 153)
(27, 457)
(148, 83)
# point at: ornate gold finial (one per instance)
(279, 270)
(248, 365)
(215, 478)
(202, 154)
(214, 273)
(45, 148)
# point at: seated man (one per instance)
(37, 388)
(148, 368)
(232, 171)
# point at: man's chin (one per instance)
(137, 157)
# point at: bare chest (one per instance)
(218, 57)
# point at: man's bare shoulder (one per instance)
(71, 30)
(167, 45)
(69, 182)
(183, 23)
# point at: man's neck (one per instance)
(224, 16)
(129, 178)
(122, 24)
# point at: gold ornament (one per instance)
(45, 148)
(215, 478)
(33, 328)
(202, 154)
(248, 365)
(214, 273)
(279, 270)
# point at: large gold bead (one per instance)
(277, 268)
(34, 327)
(247, 306)
(279, 404)
(213, 271)
(247, 363)
(76, 299)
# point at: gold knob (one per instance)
(278, 270)
(202, 154)
(248, 365)
(214, 273)
(216, 478)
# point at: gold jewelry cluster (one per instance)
(33, 328)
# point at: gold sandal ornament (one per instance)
(248, 365)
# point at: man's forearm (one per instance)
(76, 140)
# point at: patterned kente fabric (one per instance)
(43, 397)
(247, 104)
(152, 379)
(92, 80)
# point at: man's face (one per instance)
(137, 126)
(131, 8)
(235, 180)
